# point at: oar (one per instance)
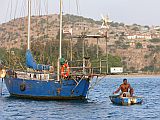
(2, 87)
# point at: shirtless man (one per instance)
(125, 87)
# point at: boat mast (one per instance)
(29, 23)
(60, 40)
(60, 45)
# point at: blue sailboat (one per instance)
(39, 83)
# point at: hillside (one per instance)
(14, 33)
(138, 46)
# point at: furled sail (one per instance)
(30, 62)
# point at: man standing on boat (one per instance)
(125, 88)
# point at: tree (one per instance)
(135, 29)
(139, 45)
(146, 26)
(122, 24)
(132, 69)
(113, 61)
(148, 68)
(3, 56)
(155, 40)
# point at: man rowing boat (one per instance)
(125, 88)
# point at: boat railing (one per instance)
(88, 70)
(75, 72)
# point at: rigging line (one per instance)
(96, 83)
(69, 6)
(23, 9)
(77, 5)
(39, 9)
(11, 10)
(34, 8)
(78, 10)
(37, 12)
(69, 10)
(37, 1)
(16, 9)
(47, 15)
(43, 10)
(22, 12)
(15, 17)
(7, 10)
(46, 6)
(10, 34)
(43, 27)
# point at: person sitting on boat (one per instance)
(125, 88)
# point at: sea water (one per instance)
(97, 107)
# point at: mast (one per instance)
(29, 23)
(60, 40)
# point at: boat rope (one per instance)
(78, 83)
(97, 82)
(74, 79)
(94, 84)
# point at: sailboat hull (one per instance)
(47, 90)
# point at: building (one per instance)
(139, 36)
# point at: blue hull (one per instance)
(125, 100)
(47, 90)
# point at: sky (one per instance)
(143, 12)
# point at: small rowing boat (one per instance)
(125, 100)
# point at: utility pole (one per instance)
(83, 55)
(97, 48)
(105, 27)
(71, 45)
(106, 36)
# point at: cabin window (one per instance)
(34, 76)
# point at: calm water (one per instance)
(98, 107)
